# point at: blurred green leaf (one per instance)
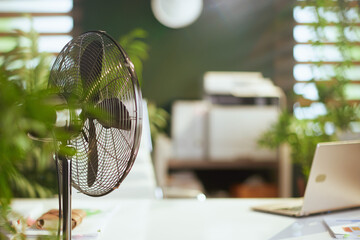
(158, 118)
(134, 45)
(25, 164)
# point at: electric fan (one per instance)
(96, 82)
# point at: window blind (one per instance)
(51, 19)
(327, 50)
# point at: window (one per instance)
(52, 19)
(327, 50)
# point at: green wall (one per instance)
(230, 35)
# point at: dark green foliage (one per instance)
(26, 166)
(136, 48)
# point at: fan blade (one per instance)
(114, 114)
(92, 155)
(90, 72)
(90, 69)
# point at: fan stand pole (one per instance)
(66, 198)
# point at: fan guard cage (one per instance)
(117, 148)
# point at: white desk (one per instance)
(212, 219)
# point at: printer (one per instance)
(226, 124)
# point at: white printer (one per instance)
(226, 125)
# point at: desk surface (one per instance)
(141, 219)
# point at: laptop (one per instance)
(333, 184)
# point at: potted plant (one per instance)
(302, 135)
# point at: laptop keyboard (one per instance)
(291, 209)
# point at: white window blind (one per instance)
(52, 19)
(326, 38)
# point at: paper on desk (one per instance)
(344, 228)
